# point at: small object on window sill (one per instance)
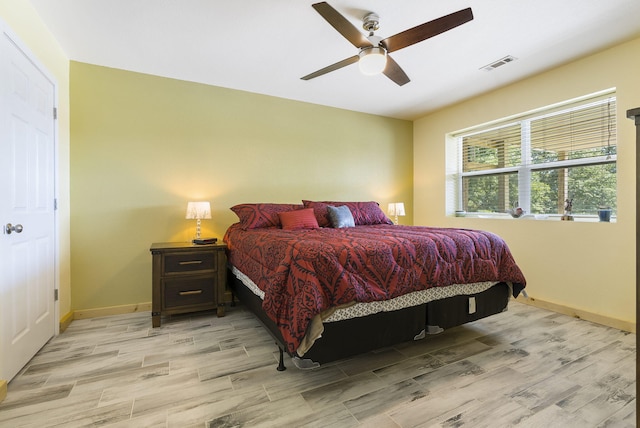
(516, 212)
(604, 214)
(205, 241)
(460, 213)
(568, 207)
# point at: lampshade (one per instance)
(198, 210)
(396, 208)
(372, 60)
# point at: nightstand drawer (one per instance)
(190, 262)
(188, 292)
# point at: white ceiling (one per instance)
(265, 46)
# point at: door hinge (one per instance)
(55, 204)
(55, 294)
(55, 113)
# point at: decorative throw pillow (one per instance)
(298, 219)
(363, 212)
(257, 216)
(340, 216)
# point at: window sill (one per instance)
(536, 217)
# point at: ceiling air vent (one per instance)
(502, 61)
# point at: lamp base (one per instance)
(205, 241)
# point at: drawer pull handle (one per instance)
(189, 293)
(191, 262)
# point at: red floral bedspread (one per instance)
(304, 272)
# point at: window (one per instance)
(539, 161)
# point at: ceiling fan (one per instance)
(373, 57)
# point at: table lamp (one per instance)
(396, 209)
(198, 211)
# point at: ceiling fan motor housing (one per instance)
(371, 22)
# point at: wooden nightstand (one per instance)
(187, 278)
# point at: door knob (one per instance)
(11, 228)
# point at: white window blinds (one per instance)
(587, 131)
(537, 161)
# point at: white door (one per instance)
(27, 247)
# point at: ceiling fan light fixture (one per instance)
(372, 60)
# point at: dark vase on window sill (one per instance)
(604, 214)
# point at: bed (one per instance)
(333, 279)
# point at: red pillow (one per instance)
(363, 212)
(256, 216)
(298, 219)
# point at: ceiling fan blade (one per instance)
(342, 25)
(332, 67)
(393, 71)
(427, 30)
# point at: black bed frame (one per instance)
(342, 339)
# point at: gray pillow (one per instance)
(340, 216)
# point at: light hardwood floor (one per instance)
(526, 367)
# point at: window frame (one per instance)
(526, 166)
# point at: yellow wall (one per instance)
(143, 146)
(27, 26)
(586, 266)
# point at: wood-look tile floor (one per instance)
(526, 367)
